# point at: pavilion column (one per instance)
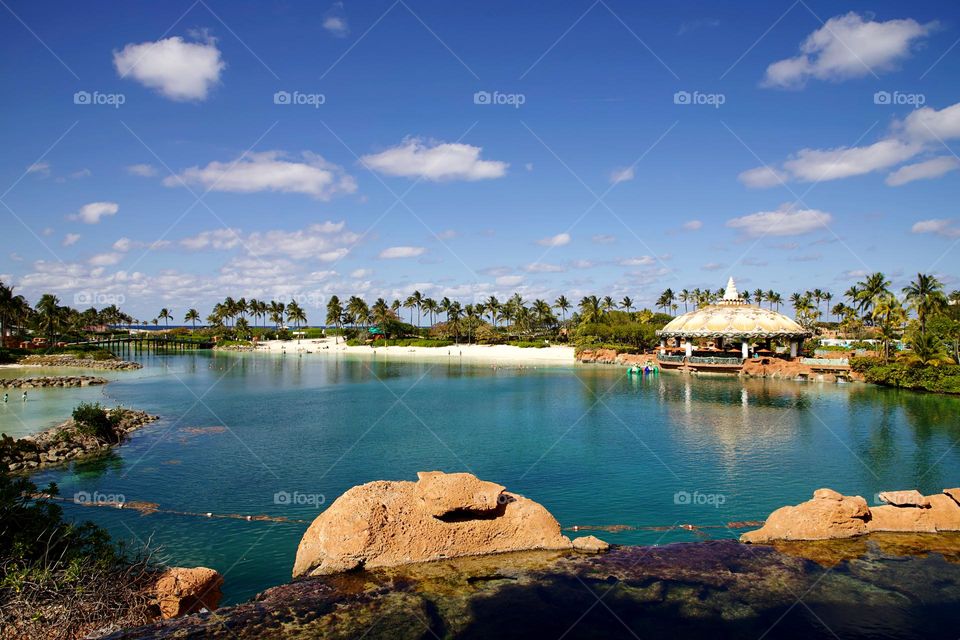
(745, 349)
(663, 346)
(793, 348)
(688, 347)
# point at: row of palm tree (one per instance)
(669, 301)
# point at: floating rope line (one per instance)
(149, 508)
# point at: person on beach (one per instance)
(6, 397)
(24, 396)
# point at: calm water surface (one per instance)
(592, 445)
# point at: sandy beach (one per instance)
(504, 354)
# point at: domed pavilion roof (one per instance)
(733, 317)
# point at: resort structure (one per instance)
(724, 335)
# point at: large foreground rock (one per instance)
(830, 515)
(383, 524)
(181, 591)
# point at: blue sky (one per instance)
(473, 148)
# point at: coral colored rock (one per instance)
(181, 591)
(912, 498)
(590, 544)
(940, 514)
(953, 493)
(828, 515)
(383, 524)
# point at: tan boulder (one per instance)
(911, 498)
(828, 515)
(940, 514)
(953, 493)
(382, 524)
(181, 591)
(590, 544)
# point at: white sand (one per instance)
(505, 354)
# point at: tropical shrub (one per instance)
(94, 420)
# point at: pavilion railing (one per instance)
(670, 357)
(837, 362)
(715, 360)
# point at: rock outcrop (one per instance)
(181, 591)
(590, 544)
(830, 515)
(383, 524)
(64, 443)
(70, 360)
(43, 382)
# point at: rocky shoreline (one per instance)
(65, 443)
(69, 360)
(44, 382)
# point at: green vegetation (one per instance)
(93, 420)
(940, 379)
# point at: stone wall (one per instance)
(70, 360)
(43, 382)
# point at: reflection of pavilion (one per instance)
(723, 327)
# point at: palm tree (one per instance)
(563, 305)
(334, 315)
(543, 314)
(49, 315)
(925, 296)
(684, 297)
(608, 304)
(493, 308)
(296, 314)
(590, 310)
(626, 304)
(827, 297)
(192, 316)
(759, 296)
(432, 308)
(888, 314)
(165, 316)
(417, 299)
(869, 291)
(242, 329)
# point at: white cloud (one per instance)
(927, 170)
(327, 242)
(92, 213)
(939, 226)
(544, 267)
(82, 173)
(443, 161)
(639, 261)
(762, 177)
(692, 225)
(813, 165)
(509, 281)
(712, 266)
(179, 70)
(71, 239)
(43, 168)
(784, 222)
(621, 175)
(105, 259)
(336, 25)
(928, 124)
(847, 47)
(123, 244)
(583, 264)
(555, 241)
(391, 253)
(361, 273)
(218, 239)
(604, 238)
(447, 234)
(270, 171)
(528, 166)
(142, 170)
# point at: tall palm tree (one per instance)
(684, 297)
(925, 296)
(192, 316)
(827, 297)
(590, 310)
(543, 314)
(165, 316)
(563, 305)
(493, 308)
(334, 315)
(626, 304)
(608, 304)
(870, 290)
(888, 314)
(49, 316)
(418, 301)
(296, 314)
(432, 308)
(759, 296)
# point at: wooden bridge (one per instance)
(146, 342)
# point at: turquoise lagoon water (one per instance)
(592, 445)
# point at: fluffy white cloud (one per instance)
(692, 225)
(604, 238)
(509, 281)
(784, 222)
(712, 266)
(555, 241)
(414, 158)
(361, 273)
(639, 261)
(70, 239)
(218, 239)
(762, 177)
(270, 171)
(93, 212)
(621, 175)
(927, 170)
(544, 267)
(105, 259)
(391, 253)
(179, 70)
(43, 168)
(922, 131)
(326, 242)
(845, 47)
(938, 226)
(142, 170)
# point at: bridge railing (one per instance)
(726, 360)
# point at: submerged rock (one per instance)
(382, 524)
(831, 515)
(718, 589)
(590, 544)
